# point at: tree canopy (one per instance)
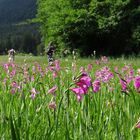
(109, 27)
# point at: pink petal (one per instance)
(96, 86)
(79, 98)
(138, 125)
(52, 105)
(78, 90)
(137, 82)
(52, 90)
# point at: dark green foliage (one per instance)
(23, 38)
(110, 27)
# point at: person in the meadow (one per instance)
(11, 55)
(50, 52)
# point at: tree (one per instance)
(103, 25)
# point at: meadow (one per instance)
(74, 99)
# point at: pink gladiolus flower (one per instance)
(97, 62)
(83, 84)
(128, 73)
(78, 91)
(86, 80)
(104, 59)
(52, 105)
(89, 67)
(33, 96)
(123, 84)
(96, 86)
(52, 90)
(34, 92)
(54, 74)
(57, 65)
(13, 90)
(32, 78)
(12, 73)
(5, 80)
(137, 83)
(6, 67)
(79, 97)
(51, 68)
(104, 75)
(82, 69)
(14, 84)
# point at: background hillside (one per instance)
(14, 11)
(24, 38)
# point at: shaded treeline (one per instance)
(23, 38)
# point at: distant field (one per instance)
(27, 59)
(66, 61)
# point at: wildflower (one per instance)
(13, 73)
(104, 59)
(52, 105)
(14, 87)
(82, 69)
(116, 69)
(13, 90)
(54, 74)
(84, 80)
(34, 92)
(52, 90)
(32, 78)
(32, 96)
(57, 65)
(5, 80)
(123, 84)
(14, 84)
(128, 73)
(89, 67)
(96, 86)
(6, 66)
(97, 62)
(83, 84)
(51, 68)
(104, 75)
(137, 83)
(78, 91)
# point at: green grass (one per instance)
(106, 115)
(81, 61)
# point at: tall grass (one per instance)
(105, 115)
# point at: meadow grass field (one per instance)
(74, 99)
